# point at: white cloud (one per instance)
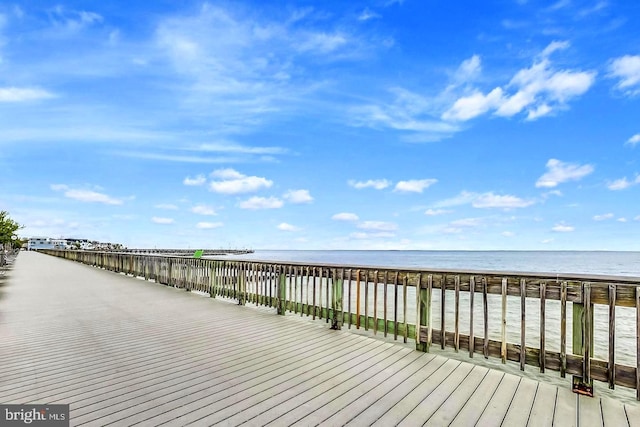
(261, 203)
(378, 225)
(298, 196)
(627, 70)
(559, 172)
(474, 105)
(233, 182)
(414, 185)
(603, 217)
(508, 234)
(622, 183)
(367, 14)
(378, 184)
(637, 218)
(619, 184)
(463, 198)
(435, 212)
(14, 94)
(622, 220)
(227, 173)
(166, 206)
(287, 227)
(563, 228)
(377, 235)
(198, 180)
(466, 222)
(413, 114)
(86, 195)
(468, 70)
(203, 210)
(490, 200)
(345, 216)
(538, 90)
(208, 225)
(163, 221)
(634, 140)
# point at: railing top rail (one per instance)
(552, 276)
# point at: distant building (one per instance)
(36, 243)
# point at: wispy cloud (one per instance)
(345, 216)
(603, 217)
(162, 221)
(378, 225)
(367, 14)
(378, 184)
(233, 182)
(203, 210)
(563, 228)
(15, 94)
(627, 70)
(298, 196)
(287, 227)
(84, 195)
(166, 206)
(538, 90)
(209, 225)
(256, 203)
(198, 180)
(414, 185)
(559, 172)
(490, 200)
(634, 140)
(485, 201)
(623, 183)
(376, 235)
(436, 212)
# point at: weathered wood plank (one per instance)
(565, 411)
(500, 401)
(613, 413)
(589, 412)
(523, 399)
(544, 404)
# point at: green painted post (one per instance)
(336, 302)
(242, 284)
(424, 308)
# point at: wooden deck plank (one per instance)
(566, 404)
(397, 412)
(365, 401)
(519, 413)
(633, 414)
(589, 412)
(500, 402)
(477, 402)
(613, 413)
(215, 374)
(227, 381)
(226, 401)
(544, 404)
(369, 415)
(452, 404)
(364, 390)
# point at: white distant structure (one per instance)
(36, 243)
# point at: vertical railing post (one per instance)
(336, 299)
(582, 340)
(242, 283)
(282, 290)
(423, 308)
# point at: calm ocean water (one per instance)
(578, 262)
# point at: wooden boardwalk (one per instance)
(123, 351)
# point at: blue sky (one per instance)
(511, 124)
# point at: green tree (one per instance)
(8, 228)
